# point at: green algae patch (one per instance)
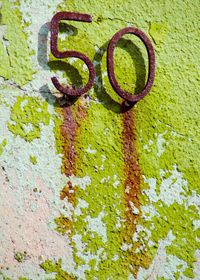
(179, 221)
(56, 267)
(20, 257)
(5, 63)
(167, 136)
(16, 64)
(4, 277)
(101, 160)
(58, 121)
(99, 148)
(63, 224)
(27, 116)
(158, 32)
(33, 159)
(2, 146)
(178, 146)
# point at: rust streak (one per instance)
(69, 131)
(132, 170)
(132, 188)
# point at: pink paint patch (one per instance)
(24, 227)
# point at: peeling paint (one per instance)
(83, 200)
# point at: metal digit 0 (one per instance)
(110, 64)
(58, 54)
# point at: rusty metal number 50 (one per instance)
(110, 58)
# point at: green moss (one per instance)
(2, 146)
(5, 66)
(177, 275)
(102, 131)
(170, 109)
(33, 159)
(179, 221)
(6, 278)
(104, 138)
(58, 121)
(182, 150)
(50, 267)
(27, 115)
(20, 257)
(189, 272)
(16, 64)
(63, 224)
(158, 32)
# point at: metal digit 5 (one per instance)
(58, 54)
(110, 64)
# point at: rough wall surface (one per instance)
(89, 191)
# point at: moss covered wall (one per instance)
(89, 191)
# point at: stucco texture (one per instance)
(89, 190)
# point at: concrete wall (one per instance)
(89, 191)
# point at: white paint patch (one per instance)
(115, 258)
(82, 183)
(197, 265)
(103, 157)
(118, 223)
(142, 231)
(116, 184)
(172, 189)
(134, 209)
(148, 212)
(125, 247)
(97, 225)
(161, 143)
(85, 256)
(2, 31)
(39, 41)
(193, 200)
(85, 68)
(147, 147)
(163, 265)
(89, 150)
(80, 205)
(105, 74)
(116, 181)
(151, 192)
(27, 127)
(37, 13)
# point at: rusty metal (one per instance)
(110, 64)
(71, 91)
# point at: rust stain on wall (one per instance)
(69, 130)
(132, 170)
(132, 191)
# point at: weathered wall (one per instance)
(88, 191)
